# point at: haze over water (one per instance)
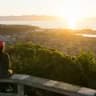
(51, 24)
(42, 24)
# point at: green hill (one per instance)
(52, 64)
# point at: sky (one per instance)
(76, 8)
(73, 11)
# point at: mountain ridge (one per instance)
(29, 17)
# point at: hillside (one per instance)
(35, 60)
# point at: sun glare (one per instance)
(72, 22)
(71, 11)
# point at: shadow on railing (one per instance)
(62, 88)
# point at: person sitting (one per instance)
(4, 66)
(4, 61)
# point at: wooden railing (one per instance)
(45, 84)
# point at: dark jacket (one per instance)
(4, 65)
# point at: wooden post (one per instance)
(20, 90)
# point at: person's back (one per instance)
(4, 65)
(4, 61)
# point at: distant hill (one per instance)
(33, 17)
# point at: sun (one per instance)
(71, 11)
(72, 22)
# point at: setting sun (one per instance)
(72, 12)
(71, 22)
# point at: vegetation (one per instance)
(52, 53)
(7, 29)
(59, 56)
(65, 40)
(50, 63)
